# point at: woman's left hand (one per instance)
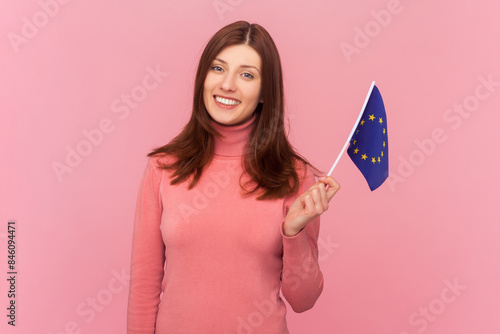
(309, 205)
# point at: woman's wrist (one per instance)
(289, 230)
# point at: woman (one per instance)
(228, 212)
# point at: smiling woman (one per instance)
(228, 213)
(232, 87)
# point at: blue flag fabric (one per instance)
(369, 147)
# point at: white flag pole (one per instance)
(353, 129)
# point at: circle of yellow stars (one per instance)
(365, 157)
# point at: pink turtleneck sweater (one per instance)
(211, 261)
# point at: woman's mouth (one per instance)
(225, 102)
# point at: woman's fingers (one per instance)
(315, 199)
(309, 203)
(333, 186)
(318, 203)
(324, 197)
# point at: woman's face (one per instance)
(232, 88)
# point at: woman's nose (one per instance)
(228, 82)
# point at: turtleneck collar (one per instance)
(235, 138)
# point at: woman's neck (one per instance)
(235, 138)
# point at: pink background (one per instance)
(388, 257)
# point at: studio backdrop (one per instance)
(88, 88)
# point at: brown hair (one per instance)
(270, 160)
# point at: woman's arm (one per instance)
(302, 279)
(148, 255)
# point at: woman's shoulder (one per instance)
(160, 160)
(303, 169)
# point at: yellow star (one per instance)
(372, 117)
(362, 122)
(356, 150)
(383, 144)
(373, 160)
(382, 153)
(354, 142)
(364, 157)
(384, 131)
(378, 159)
(380, 120)
(357, 132)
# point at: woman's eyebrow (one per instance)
(244, 66)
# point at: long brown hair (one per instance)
(270, 160)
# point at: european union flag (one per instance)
(369, 147)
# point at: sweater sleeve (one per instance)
(148, 255)
(302, 279)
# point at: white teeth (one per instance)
(227, 102)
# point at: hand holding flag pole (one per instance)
(368, 149)
(369, 146)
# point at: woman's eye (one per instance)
(248, 75)
(217, 68)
